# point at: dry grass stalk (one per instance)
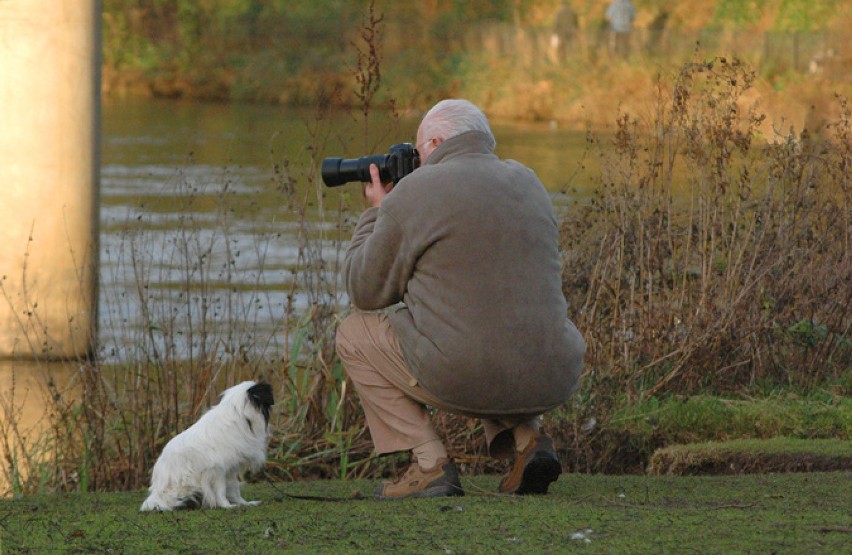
(738, 276)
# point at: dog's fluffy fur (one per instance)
(201, 466)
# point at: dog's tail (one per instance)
(158, 502)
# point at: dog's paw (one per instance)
(252, 503)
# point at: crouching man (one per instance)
(464, 251)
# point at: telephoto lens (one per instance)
(402, 160)
(340, 171)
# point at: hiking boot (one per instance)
(439, 481)
(535, 468)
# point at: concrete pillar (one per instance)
(49, 125)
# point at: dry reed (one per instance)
(710, 262)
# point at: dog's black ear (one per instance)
(261, 397)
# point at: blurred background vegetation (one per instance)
(500, 54)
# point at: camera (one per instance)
(401, 161)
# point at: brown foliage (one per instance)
(741, 275)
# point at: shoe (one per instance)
(534, 470)
(441, 480)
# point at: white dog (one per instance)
(201, 466)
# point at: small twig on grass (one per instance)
(732, 506)
(713, 508)
(829, 529)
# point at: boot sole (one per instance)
(539, 473)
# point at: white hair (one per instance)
(201, 466)
(455, 116)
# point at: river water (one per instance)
(205, 209)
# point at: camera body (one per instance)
(402, 159)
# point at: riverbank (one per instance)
(511, 64)
(707, 268)
(777, 513)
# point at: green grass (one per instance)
(591, 439)
(775, 513)
(774, 446)
(704, 417)
(741, 456)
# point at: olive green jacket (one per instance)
(468, 243)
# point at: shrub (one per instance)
(708, 262)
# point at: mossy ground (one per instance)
(772, 513)
(749, 456)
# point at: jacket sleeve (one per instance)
(377, 265)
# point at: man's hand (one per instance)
(375, 191)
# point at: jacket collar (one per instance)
(469, 142)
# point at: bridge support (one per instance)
(49, 166)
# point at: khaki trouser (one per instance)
(394, 402)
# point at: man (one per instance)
(564, 31)
(465, 251)
(620, 14)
